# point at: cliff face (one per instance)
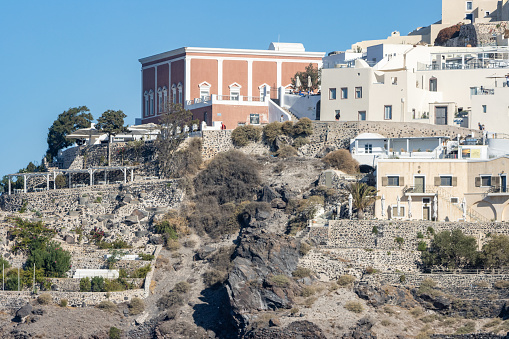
(253, 283)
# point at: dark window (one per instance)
(358, 92)
(332, 93)
(368, 148)
(486, 180)
(254, 119)
(344, 93)
(393, 181)
(445, 181)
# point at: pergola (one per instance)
(69, 172)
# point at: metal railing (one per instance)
(419, 189)
(496, 189)
(482, 91)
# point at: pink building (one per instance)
(232, 86)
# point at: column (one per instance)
(250, 78)
(279, 75)
(156, 94)
(125, 175)
(132, 174)
(47, 182)
(54, 180)
(170, 93)
(105, 176)
(24, 183)
(91, 173)
(10, 184)
(70, 180)
(187, 85)
(408, 145)
(219, 77)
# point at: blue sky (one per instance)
(61, 54)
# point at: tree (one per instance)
(311, 71)
(451, 250)
(172, 134)
(52, 259)
(67, 122)
(363, 196)
(112, 123)
(342, 160)
(495, 253)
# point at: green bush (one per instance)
(342, 160)
(304, 248)
(136, 306)
(85, 285)
(114, 333)
(301, 272)
(307, 291)
(141, 272)
(97, 284)
(354, 306)
(63, 303)
(303, 127)
(4, 264)
(146, 257)
(279, 280)
(422, 246)
(243, 135)
(469, 327)
(272, 131)
(452, 250)
(44, 299)
(420, 235)
(51, 258)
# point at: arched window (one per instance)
(151, 102)
(264, 92)
(179, 87)
(145, 95)
(159, 100)
(235, 91)
(204, 90)
(165, 99)
(173, 94)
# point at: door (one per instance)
(441, 115)
(503, 183)
(419, 184)
(425, 212)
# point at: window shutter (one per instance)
(437, 181)
(477, 181)
(495, 181)
(454, 181)
(401, 181)
(385, 181)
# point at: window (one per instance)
(264, 92)
(469, 5)
(358, 92)
(344, 93)
(332, 94)
(455, 201)
(174, 94)
(368, 148)
(395, 213)
(394, 80)
(388, 112)
(151, 102)
(413, 114)
(393, 181)
(338, 114)
(484, 109)
(235, 91)
(446, 181)
(433, 85)
(486, 180)
(470, 17)
(146, 103)
(254, 119)
(165, 98)
(179, 87)
(487, 13)
(426, 201)
(204, 90)
(362, 115)
(160, 100)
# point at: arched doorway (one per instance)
(486, 209)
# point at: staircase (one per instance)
(293, 116)
(474, 216)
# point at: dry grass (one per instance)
(354, 306)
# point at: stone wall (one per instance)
(479, 34)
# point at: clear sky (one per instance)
(61, 54)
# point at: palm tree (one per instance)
(363, 196)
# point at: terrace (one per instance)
(215, 99)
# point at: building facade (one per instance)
(229, 86)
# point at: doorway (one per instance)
(503, 183)
(419, 184)
(441, 115)
(426, 209)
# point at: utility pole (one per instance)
(18, 279)
(34, 279)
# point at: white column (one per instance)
(142, 100)
(170, 93)
(105, 176)
(25, 183)
(47, 182)
(132, 174)
(219, 76)
(54, 180)
(250, 78)
(187, 86)
(408, 145)
(10, 185)
(91, 173)
(156, 94)
(125, 175)
(279, 75)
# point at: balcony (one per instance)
(494, 191)
(419, 190)
(214, 99)
(482, 91)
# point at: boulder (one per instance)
(23, 312)
(268, 194)
(278, 203)
(156, 240)
(70, 239)
(140, 214)
(131, 220)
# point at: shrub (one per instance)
(85, 285)
(141, 272)
(286, 151)
(304, 248)
(221, 259)
(182, 287)
(399, 240)
(272, 131)
(427, 286)
(279, 280)
(187, 161)
(301, 272)
(146, 257)
(60, 181)
(416, 311)
(300, 141)
(107, 305)
(287, 128)
(307, 291)
(346, 280)
(420, 235)
(136, 306)
(469, 327)
(342, 160)
(170, 300)
(63, 302)
(51, 258)
(44, 299)
(452, 250)
(294, 311)
(501, 284)
(243, 135)
(370, 270)
(114, 333)
(422, 246)
(213, 277)
(303, 127)
(374, 230)
(97, 284)
(354, 306)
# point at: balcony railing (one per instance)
(497, 189)
(230, 99)
(482, 91)
(419, 189)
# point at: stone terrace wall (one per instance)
(359, 234)
(162, 193)
(478, 34)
